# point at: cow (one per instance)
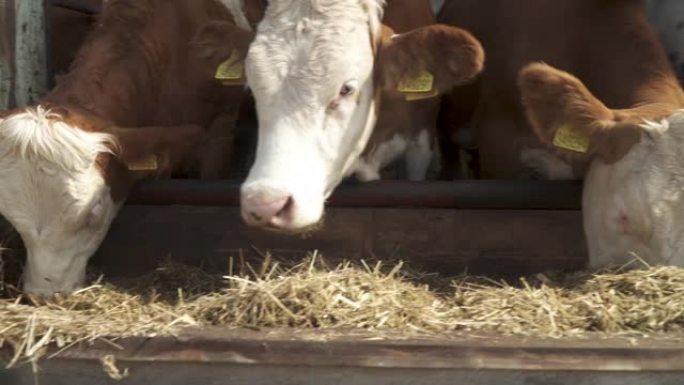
(609, 45)
(572, 84)
(140, 97)
(317, 69)
(632, 198)
(404, 127)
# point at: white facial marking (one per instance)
(368, 167)
(310, 69)
(546, 164)
(635, 206)
(419, 155)
(54, 195)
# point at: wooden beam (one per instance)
(6, 52)
(31, 72)
(276, 357)
(496, 243)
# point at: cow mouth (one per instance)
(304, 232)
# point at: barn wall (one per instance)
(23, 52)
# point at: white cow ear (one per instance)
(165, 147)
(450, 55)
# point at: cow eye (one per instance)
(347, 90)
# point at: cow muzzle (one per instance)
(264, 206)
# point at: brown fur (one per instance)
(607, 44)
(149, 65)
(408, 53)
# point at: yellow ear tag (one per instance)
(230, 71)
(418, 87)
(568, 139)
(412, 96)
(145, 164)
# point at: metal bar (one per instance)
(85, 6)
(485, 194)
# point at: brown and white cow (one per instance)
(604, 93)
(317, 69)
(609, 45)
(142, 88)
(403, 128)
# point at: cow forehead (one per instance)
(331, 8)
(325, 17)
(310, 46)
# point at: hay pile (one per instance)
(313, 295)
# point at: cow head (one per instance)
(64, 177)
(633, 201)
(316, 69)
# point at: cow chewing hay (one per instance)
(384, 300)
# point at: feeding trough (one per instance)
(419, 322)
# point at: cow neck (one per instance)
(121, 103)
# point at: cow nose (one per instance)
(266, 206)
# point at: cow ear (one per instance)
(564, 114)
(450, 55)
(217, 40)
(156, 149)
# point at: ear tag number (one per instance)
(145, 164)
(569, 139)
(418, 87)
(230, 72)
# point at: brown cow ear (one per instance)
(156, 149)
(450, 55)
(217, 40)
(564, 114)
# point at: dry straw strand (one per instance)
(375, 297)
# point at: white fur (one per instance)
(636, 206)
(37, 134)
(368, 167)
(54, 195)
(419, 155)
(237, 9)
(302, 55)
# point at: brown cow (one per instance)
(141, 93)
(607, 44)
(606, 95)
(403, 127)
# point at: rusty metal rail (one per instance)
(529, 195)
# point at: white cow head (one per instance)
(633, 203)
(62, 183)
(635, 206)
(316, 68)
